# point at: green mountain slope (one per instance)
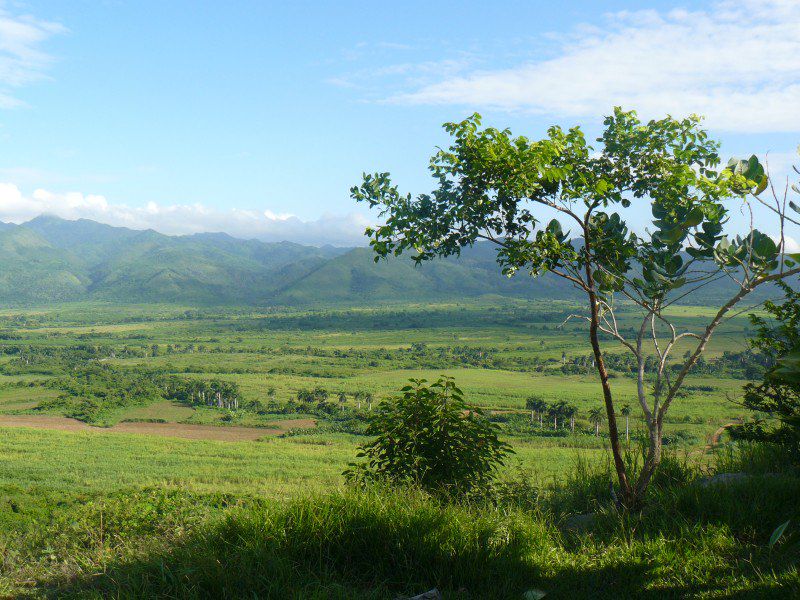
(51, 260)
(355, 277)
(145, 266)
(32, 270)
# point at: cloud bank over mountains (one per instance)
(181, 219)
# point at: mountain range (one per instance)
(49, 259)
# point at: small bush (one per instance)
(429, 438)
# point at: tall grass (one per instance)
(372, 544)
(753, 458)
(690, 542)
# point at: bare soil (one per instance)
(179, 430)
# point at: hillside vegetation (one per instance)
(50, 260)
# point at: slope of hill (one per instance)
(50, 259)
(355, 277)
(33, 270)
(120, 264)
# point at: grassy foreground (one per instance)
(692, 542)
(105, 515)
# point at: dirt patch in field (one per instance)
(43, 422)
(294, 424)
(179, 430)
(196, 432)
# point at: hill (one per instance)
(50, 259)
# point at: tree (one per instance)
(497, 188)
(319, 394)
(569, 413)
(431, 438)
(342, 398)
(596, 418)
(554, 411)
(778, 394)
(537, 406)
(625, 411)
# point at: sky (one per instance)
(255, 118)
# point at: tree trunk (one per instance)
(628, 494)
(627, 434)
(652, 460)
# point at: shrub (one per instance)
(778, 394)
(428, 437)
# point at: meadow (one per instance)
(74, 438)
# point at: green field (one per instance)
(60, 449)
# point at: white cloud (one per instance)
(180, 219)
(22, 59)
(736, 62)
(791, 243)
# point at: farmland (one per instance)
(499, 358)
(94, 406)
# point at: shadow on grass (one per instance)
(386, 544)
(213, 576)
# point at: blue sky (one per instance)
(189, 116)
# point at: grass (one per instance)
(169, 411)
(276, 467)
(379, 544)
(104, 462)
(102, 514)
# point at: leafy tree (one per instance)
(502, 189)
(429, 437)
(778, 394)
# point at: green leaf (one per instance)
(764, 246)
(694, 218)
(671, 236)
(762, 185)
(776, 535)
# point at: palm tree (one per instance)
(562, 408)
(537, 406)
(541, 407)
(554, 411)
(342, 398)
(569, 412)
(596, 417)
(626, 412)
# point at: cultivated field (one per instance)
(99, 401)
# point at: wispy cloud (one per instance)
(736, 62)
(22, 58)
(339, 230)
